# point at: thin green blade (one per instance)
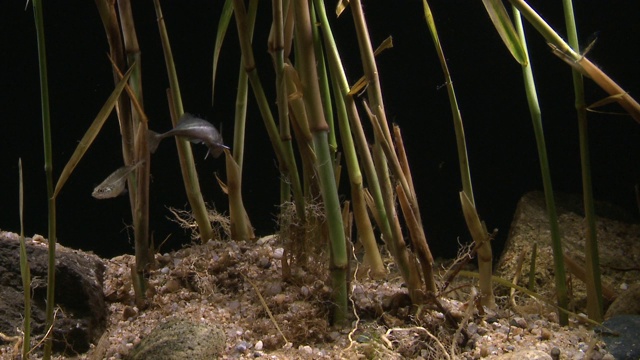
(91, 133)
(223, 24)
(504, 26)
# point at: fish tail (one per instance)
(153, 140)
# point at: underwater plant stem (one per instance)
(139, 180)
(556, 240)
(319, 130)
(461, 143)
(372, 255)
(242, 94)
(592, 260)
(109, 17)
(276, 49)
(187, 165)
(48, 168)
(283, 153)
(25, 273)
(577, 60)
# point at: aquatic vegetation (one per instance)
(317, 130)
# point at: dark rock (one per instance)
(81, 318)
(180, 339)
(621, 333)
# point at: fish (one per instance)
(196, 130)
(114, 184)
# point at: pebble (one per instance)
(545, 334)
(264, 263)
(242, 346)
(165, 270)
(277, 253)
(518, 322)
(306, 349)
(172, 286)
(258, 346)
(472, 329)
(555, 353)
(273, 289)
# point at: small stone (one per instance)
(128, 313)
(172, 286)
(472, 329)
(273, 289)
(306, 349)
(545, 334)
(555, 353)
(518, 322)
(258, 346)
(242, 347)
(363, 338)
(334, 335)
(277, 253)
(264, 263)
(165, 270)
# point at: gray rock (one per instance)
(78, 293)
(180, 339)
(628, 302)
(618, 244)
(524, 355)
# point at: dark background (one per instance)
(488, 82)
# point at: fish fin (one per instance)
(217, 150)
(153, 140)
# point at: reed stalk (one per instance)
(592, 260)
(187, 165)
(478, 232)
(320, 131)
(283, 152)
(578, 61)
(536, 118)
(48, 168)
(372, 258)
(25, 273)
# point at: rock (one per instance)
(628, 302)
(78, 293)
(524, 355)
(621, 334)
(618, 244)
(180, 339)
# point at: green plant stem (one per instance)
(363, 223)
(536, 117)
(187, 165)
(319, 130)
(283, 153)
(577, 60)
(592, 261)
(109, 17)
(463, 159)
(48, 168)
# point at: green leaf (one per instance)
(502, 22)
(223, 24)
(92, 132)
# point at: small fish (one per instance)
(195, 130)
(113, 185)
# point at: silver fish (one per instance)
(113, 185)
(195, 130)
